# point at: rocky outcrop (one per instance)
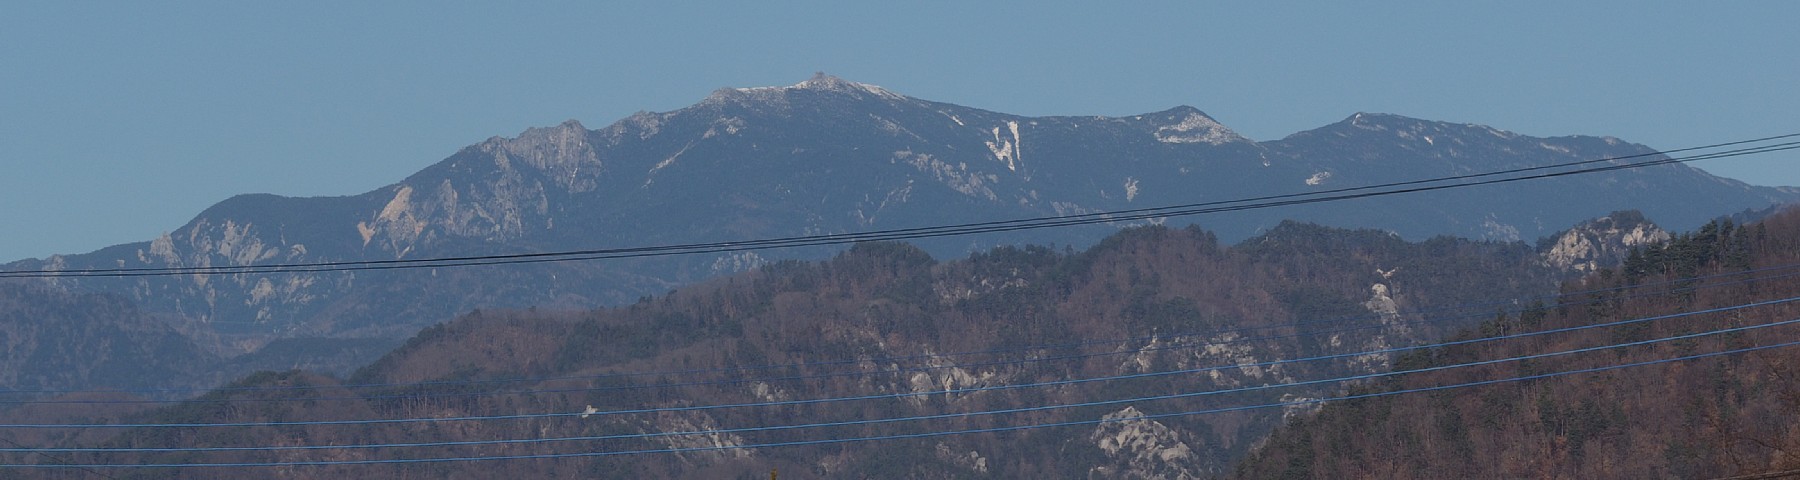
(1142, 448)
(1602, 242)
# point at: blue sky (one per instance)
(120, 121)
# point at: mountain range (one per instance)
(827, 156)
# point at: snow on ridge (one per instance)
(1356, 121)
(1197, 128)
(1410, 128)
(820, 82)
(1494, 131)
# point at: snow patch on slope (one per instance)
(1381, 304)
(957, 177)
(1197, 128)
(737, 262)
(1007, 150)
(1492, 229)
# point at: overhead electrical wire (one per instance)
(1764, 475)
(416, 394)
(523, 416)
(933, 231)
(63, 461)
(921, 434)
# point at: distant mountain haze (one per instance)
(831, 156)
(826, 156)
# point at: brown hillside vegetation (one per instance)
(1704, 418)
(879, 319)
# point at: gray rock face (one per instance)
(832, 156)
(1143, 448)
(1602, 242)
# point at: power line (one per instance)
(60, 460)
(933, 433)
(907, 394)
(1763, 476)
(926, 232)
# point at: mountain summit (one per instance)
(820, 84)
(824, 156)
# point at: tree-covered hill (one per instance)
(1704, 418)
(883, 320)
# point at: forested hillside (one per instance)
(51, 339)
(1171, 310)
(1702, 418)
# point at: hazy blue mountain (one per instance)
(57, 340)
(832, 156)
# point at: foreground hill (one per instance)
(880, 319)
(829, 156)
(1708, 418)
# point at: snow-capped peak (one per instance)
(1402, 123)
(1196, 127)
(820, 82)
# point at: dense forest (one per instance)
(1709, 417)
(1014, 328)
